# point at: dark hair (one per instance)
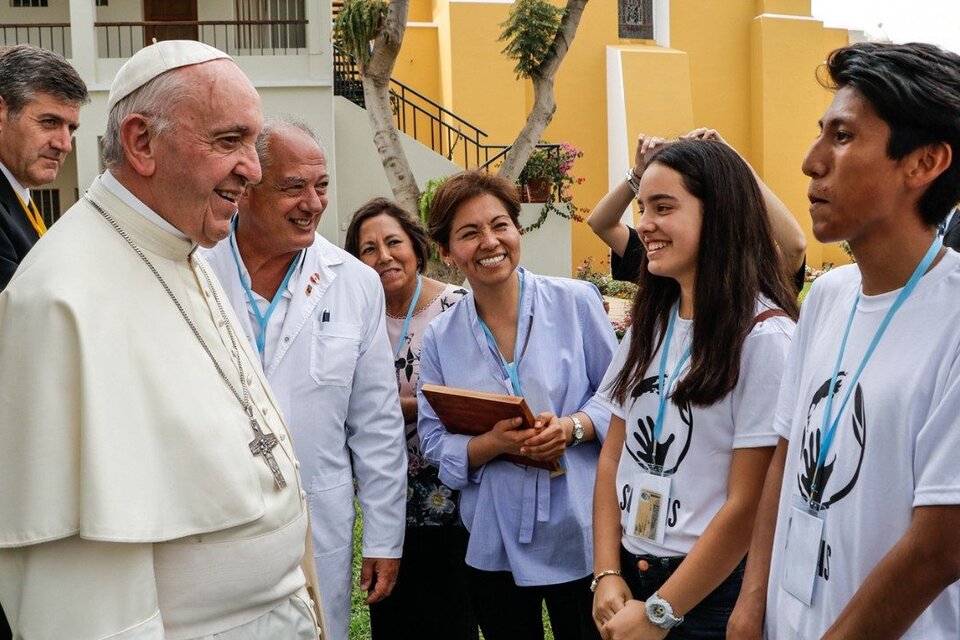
(737, 262)
(26, 70)
(464, 186)
(410, 225)
(915, 89)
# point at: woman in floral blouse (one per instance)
(392, 242)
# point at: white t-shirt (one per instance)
(696, 445)
(895, 447)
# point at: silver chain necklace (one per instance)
(262, 443)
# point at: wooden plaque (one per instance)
(473, 413)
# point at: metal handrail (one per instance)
(443, 131)
(57, 33)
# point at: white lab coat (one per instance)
(336, 384)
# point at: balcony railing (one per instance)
(235, 37)
(54, 36)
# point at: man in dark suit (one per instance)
(951, 235)
(40, 98)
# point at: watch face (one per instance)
(657, 611)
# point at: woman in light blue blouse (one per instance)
(549, 340)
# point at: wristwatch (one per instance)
(577, 431)
(633, 180)
(660, 612)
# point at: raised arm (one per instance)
(604, 220)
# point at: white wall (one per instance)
(359, 177)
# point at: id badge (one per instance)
(649, 520)
(804, 534)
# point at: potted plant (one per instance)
(547, 178)
(547, 168)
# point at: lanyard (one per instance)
(33, 216)
(509, 367)
(406, 322)
(829, 419)
(661, 377)
(262, 319)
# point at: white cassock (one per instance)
(131, 505)
(328, 360)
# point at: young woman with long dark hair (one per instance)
(692, 389)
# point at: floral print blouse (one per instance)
(429, 502)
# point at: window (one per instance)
(635, 19)
(103, 3)
(28, 3)
(48, 202)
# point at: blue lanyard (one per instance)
(829, 419)
(661, 377)
(510, 367)
(262, 319)
(406, 322)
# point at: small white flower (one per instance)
(438, 501)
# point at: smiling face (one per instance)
(35, 142)
(281, 214)
(856, 189)
(386, 247)
(484, 243)
(205, 160)
(669, 226)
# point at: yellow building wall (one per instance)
(787, 103)
(744, 67)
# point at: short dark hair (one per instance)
(410, 225)
(464, 186)
(26, 70)
(915, 89)
(737, 263)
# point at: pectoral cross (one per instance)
(263, 445)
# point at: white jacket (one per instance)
(336, 385)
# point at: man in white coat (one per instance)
(315, 315)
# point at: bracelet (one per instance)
(603, 574)
(633, 181)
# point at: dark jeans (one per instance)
(430, 598)
(508, 612)
(706, 620)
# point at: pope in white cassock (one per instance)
(316, 316)
(149, 485)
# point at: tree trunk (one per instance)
(544, 104)
(376, 93)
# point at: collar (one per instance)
(18, 188)
(245, 275)
(113, 185)
(149, 236)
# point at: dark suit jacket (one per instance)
(952, 236)
(17, 235)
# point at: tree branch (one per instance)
(376, 93)
(544, 103)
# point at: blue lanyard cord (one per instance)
(511, 368)
(406, 323)
(263, 319)
(831, 420)
(661, 376)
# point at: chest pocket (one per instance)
(334, 352)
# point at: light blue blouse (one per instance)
(520, 520)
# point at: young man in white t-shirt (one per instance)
(857, 531)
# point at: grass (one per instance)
(360, 614)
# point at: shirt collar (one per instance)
(113, 185)
(18, 188)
